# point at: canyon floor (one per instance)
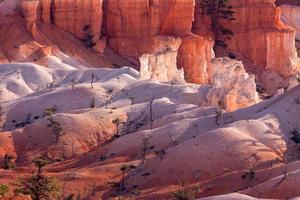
(111, 132)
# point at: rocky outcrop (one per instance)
(73, 16)
(262, 41)
(291, 16)
(28, 10)
(233, 87)
(135, 28)
(162, 66)
(77, 17)
(194, 56)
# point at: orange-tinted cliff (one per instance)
(133, 28)
(260, 38)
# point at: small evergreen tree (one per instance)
(218, 10)
(8, 162)
(3, 190)
(88, 36)
(38, 186)
(41, 162)
(117, 122)
(124, 169)
(145, 149)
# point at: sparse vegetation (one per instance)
(41, 162)
(295, 136)
(93, 102)
(117, 122)
(88, 38)
(92, 80)
(250, 175)
(8, 162)
(145, 149)
(218, 11)
(132, 102)
(38, 186)
(218, 115)
(124, 169)
(186, 194)
(56, 128)
(53, 84)
(3, 190)
(160, 154)
(50, 111)
(151, 114)
(73, 84)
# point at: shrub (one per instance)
(3, 189)
(186, 194)
(56, 127)
(38, 186)
(50, 111)
(295, 136)
(8, 162)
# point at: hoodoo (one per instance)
(149, 99)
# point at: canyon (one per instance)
(132, 99)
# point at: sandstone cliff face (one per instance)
(260, 39)
(69, 15)
(194, 57)
(28, 9)
(73, 16)
(161, 66)
(134, 28)
(291, 16)
(138, 27)
(233, 87)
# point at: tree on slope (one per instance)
(218, 10)
(38, 186)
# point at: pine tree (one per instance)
(218, 10)
(38, 186)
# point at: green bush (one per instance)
(186, 194)
(3, 189)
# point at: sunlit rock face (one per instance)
(162, 65)
(233, 87)
(131, 25)
(262, 41)
(194, 56)
(73, 16)
(135, 27)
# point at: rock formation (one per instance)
(73, 16)
(127, 23)
(232, 85)
(108, 131)
(291, 16)
(262, 41)
(134, 28)
(162, 66)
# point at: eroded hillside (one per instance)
(106, 92)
